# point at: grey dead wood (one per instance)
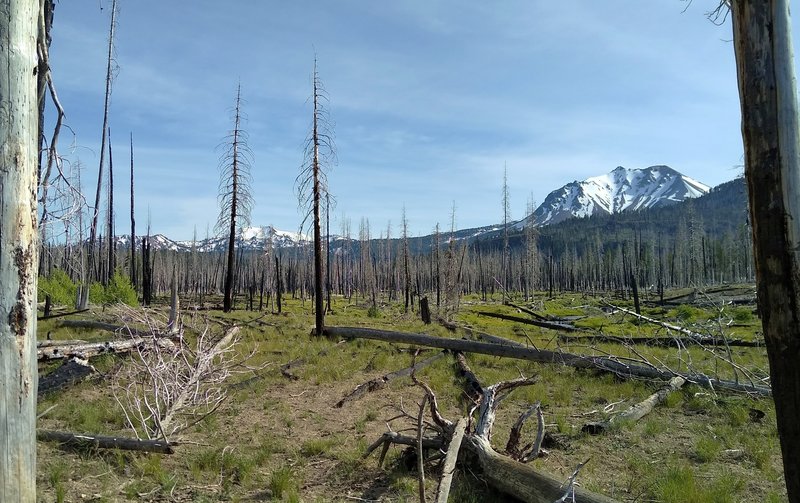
(637, 411)
(449, 467)
(104, 442)
(617, 367)
(93, 349)
(19, 154)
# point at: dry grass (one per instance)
(276, 439)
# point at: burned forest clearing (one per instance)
(272, 413)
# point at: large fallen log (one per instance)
(523, 481)
(88, 440)
(660, 341)
(380, 382)
(92, 349)
(619, 367)
(70, 372)
(637, 411)
(553, 325)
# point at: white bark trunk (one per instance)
(18, 249)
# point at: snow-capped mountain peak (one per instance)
(620, 190)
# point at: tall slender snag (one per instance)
(234, 197)
(94, 266)
(133, 228)
(18, 249)
(312, 186)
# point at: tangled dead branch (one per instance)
(165, 391)
(505, 474)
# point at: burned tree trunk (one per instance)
(18, 249)
(771, 134)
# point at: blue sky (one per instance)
(430, 99)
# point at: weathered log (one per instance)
(637, 411)
(668, 326)
(51, 343)
(60, 315)
(660, 341)
(380, 382)
(600, 363)
(443, 491)
(553, 325)
(70, 372)
(88, 440)
(92, 349)
(522, 481)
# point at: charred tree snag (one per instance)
(620, 367)
(312, 185)
(762, 39)
(19, 134)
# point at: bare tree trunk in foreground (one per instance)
(19, 130)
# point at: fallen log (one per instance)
(688, 333)
(528, 311)
(660, 341)
(380, 382)
(612, 365)
(553, 325)
(101, 325)
(92, 349)
(637, 411)
(88, 440)
(523, 481)
(49, 343)
(70, 372)
(60, 315)
(443, 491)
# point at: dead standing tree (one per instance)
(18, 249)
(95, 266)
(771, 134)
(235, 200)
(312, 184)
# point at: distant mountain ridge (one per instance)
(620, 190)
(250, 238)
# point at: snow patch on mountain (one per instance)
(620, 190)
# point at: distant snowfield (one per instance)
(620, 190)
